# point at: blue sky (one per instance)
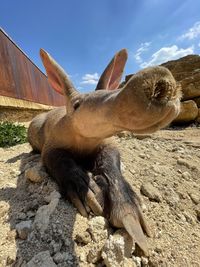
(83, 35)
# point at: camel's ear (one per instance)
(57, 77)
(111, 77)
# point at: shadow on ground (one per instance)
(24, 202)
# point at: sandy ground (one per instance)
(164, 166)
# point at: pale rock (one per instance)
(98, 228)
(82, 257)
(186, 72)
(42, 259)
(171, 197)
(189, 217)
(151, 192)
(129, 245)
(183, 162)
(144, 261)
(123, 167)
(195, 198)
(113, 252)
(59, 257)
(53, 195)
(186, 175)
(43, 214)
(23, 229)
(118, 249)
(94, 254)
(129, 263)
(137, 261)
(188, 112)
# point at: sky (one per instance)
(83, 35)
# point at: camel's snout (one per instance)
(162, 92)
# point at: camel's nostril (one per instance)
(163, 91)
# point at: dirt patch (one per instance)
(163, 169)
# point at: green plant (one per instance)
(12, 134)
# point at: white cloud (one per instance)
(192, 33)
(90, 78)
(166, 54)
(143, 47)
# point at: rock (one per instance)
(189, 218)
(43, 214)
(30, 214)
(118, 249)
(137, 261)
(33, 205)
(144, 261)
(94, 254)
(151, 192)
(181, 217)
(142, 156)
(190, 87)
(35, 174)
(183, 162)
(113, 252)
(129, 263)
(186, 175)
(198, 117)
(23, 229)
(83, 238)
(42, 259)
(123, 167)
(82, 257)
(129, 245)
(55, 246)
(98, 228)
(188, 112)
(53, 195)
(21, 216)
(197, 101)
(171, 197)
(186, 71)
(195, 198)
(198, 212)
(59, 257)
(132, 171)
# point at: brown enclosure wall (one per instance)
(20, 78)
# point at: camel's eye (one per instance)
(77, 104)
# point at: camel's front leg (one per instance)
(120, 203)
(72, 179)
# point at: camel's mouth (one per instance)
(150, 124)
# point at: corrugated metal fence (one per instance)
(20, 78)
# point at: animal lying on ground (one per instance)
(71, 138)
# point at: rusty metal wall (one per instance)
(20, 78)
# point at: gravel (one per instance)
(38, 228)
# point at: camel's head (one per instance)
(150, 100)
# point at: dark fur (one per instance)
(71, 173)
